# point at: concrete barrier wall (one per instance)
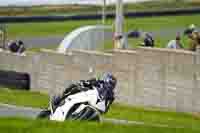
(146, 77)
(166, 78)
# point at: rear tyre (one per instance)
(87, 114)
(91, 114)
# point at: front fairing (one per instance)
(90, 96)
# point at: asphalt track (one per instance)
(13, 111)
(41, 42)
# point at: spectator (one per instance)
(190, 29)
(21, 47)
(124, 41)
(1, 39)
(175, 44)
(12, 46)
(148, 40)
(16, 46)
(194, 40)
(194, 37)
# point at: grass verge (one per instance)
(18, 30)
(146, 115)
(153, 116)
(23, 98)
(19, 125)
(61, 28)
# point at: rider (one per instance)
(105, 87)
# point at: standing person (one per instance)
(148, 40)
(194, 40)
(16, 46)
(1, 39)
(21, 47)
(124, 41)
(175, 44)
(190, 29)
(13, 46)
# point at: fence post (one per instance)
(196, 76)
(3, 36)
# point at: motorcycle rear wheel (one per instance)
(87, 114)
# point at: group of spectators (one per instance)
(193, 36)
(191, 32)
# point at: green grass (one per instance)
(152, 116)
(23, 98)
(19, 30)
(147, 115)
(161, 23)
(19, 125)
(60, 28)
(45, 29)
(77, 9)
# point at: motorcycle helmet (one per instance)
(110, 80)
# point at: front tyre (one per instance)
(44, 114)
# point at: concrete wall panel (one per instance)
(146, 77)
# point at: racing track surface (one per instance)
(41, 42)
(13, 111)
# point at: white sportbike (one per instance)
(80, 103)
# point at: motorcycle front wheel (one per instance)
(44, 114)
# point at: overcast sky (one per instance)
(40, 2)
